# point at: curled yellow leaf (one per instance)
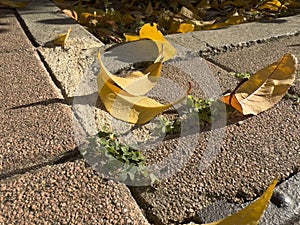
(62, 39)
(136, 83)
(127, 107)
(252, 213)
(265, 88)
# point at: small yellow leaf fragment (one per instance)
(252, 213)
(62, 39)
(186, 27)
(215, 26)
(236, 20)
(265, 88)
(14, 4)
(131, 37)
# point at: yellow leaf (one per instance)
(186, 27)
(151, 32)
(136, 83)
(14, 4)
(131, 37)
(273, 5)
(214, 26)
(85, 18)
(126, 107)
(236, 20)
(62, 39)
(252, 213)
(265, 88)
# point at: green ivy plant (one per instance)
(121, 161)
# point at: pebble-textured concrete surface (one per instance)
(45, 22)
(35, 124)
(69, 193)
(11, 41)
(255, 57)
(214, 41)
(284, 208)
(254, 151)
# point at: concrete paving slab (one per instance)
(255, 57)
(217, 41)
(12, 36)
(284, 208)
(36, 125)
(246, 163)
(44, 23)
(69, 193)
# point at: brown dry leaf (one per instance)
(71, 13)
(136, 83)
(62, 39)
(265, 88)
(149, 31)
(14, 4)
(252, 213)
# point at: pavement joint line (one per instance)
(25, 29)
(213, 51)
(36, 45)
(52, 75)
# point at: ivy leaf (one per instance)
(150, 31)
(265, 88)
(136, 83)
(62, 39)
(252, 213)
(14, 4)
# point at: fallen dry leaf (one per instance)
(62, 39)
(136, 83)
(127, 107)
(265, 88)
(252, 213)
